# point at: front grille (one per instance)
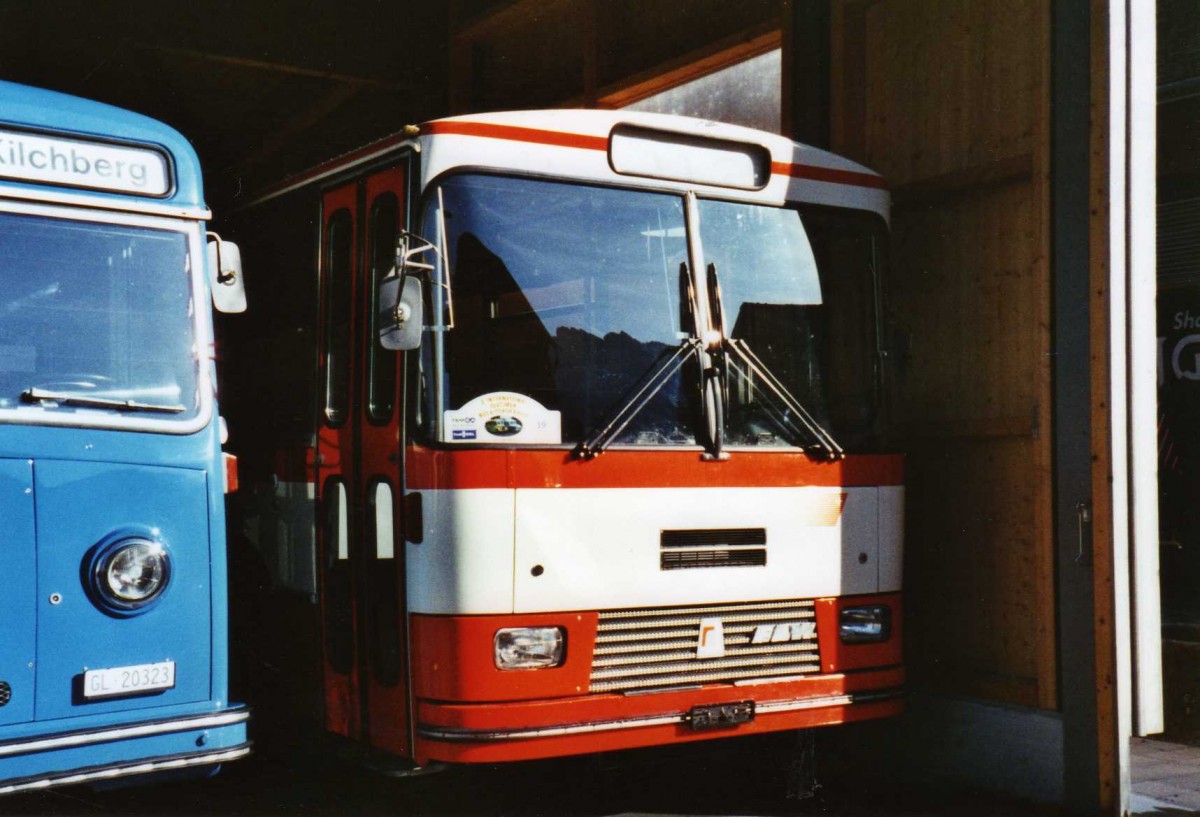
(655, 648)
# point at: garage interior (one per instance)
(1018, 375)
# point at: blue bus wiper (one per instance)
(36, 395)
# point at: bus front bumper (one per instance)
(113, 753)
(527, 730)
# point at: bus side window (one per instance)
(338, 248)
(381, 363)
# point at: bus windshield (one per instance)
(567, 298)
(96, 318)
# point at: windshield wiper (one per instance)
(643, 392)
(36, 395)
(783, 407)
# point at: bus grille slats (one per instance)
(656, 648)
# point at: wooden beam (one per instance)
(500, 20)
(966, 181)
(294, 128)
(276, 67)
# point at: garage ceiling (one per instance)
(263, 88)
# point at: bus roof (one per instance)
(106, 137)
(614, 146)
(662, 149)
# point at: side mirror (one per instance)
(401, 313)
(225, 275)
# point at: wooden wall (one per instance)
(949, 100)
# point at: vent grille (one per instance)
(730, 547)
(656, 648)
(5, 693)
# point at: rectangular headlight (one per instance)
(865, 625)
(529, 647)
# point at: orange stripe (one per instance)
(512, 133)
(828, 174)
(429, 468)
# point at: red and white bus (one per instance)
(623, 486)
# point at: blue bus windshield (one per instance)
(95, 317)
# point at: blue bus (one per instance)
(113, 607)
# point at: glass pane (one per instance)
(799, 288)
(338, 247)
(385, 536)
(385, 220)
(96, 310)
(336, 592)
(565, 295)
(747, 93)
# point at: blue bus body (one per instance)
(113, 606)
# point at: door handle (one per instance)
(1083, 516)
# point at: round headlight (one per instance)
(133, 573)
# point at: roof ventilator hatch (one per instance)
(682, 157)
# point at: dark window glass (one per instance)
(338, 614)
(339, 245)
(566, 294)
(381, 363)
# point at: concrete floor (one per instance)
(1166, 778)
(738, 777)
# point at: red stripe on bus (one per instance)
(576, 140)
(513, 133)
(499, 468)
(814, 173)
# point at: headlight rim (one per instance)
(557, 660)
(101, 558)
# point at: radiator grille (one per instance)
(656, 648)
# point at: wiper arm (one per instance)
(36, 395)
(644, 391)
(784, 407)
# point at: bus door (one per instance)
(358, 469)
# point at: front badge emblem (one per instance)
(711, 643)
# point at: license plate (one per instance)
(719, 715)
(102, 683)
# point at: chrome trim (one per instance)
(770, 707)
(120, 770)
(101, 202)
(86, 738)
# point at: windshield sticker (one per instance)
(501, 417)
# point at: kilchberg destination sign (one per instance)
(53, 160)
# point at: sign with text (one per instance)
(43, 159)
